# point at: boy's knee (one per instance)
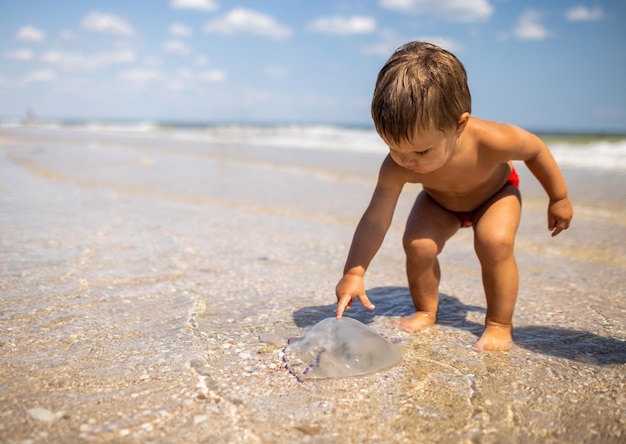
(420, 249)
(494, 248)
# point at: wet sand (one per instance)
(137, 276)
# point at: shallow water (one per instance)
(137, 278)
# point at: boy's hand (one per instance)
(559, 215)
(348, 289)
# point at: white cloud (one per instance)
(382, 48)
(212, 76)
(443, 42)
(529, 27)
(151, 60)
(138, 80)
(247, 22)
(343, 25)
(20, 54)
(176, 47)
(201, 60)
(388, 42)
(75, 61)
(453, 10)
(276, 72)
(30, 34)
(184, 79)
(43, 75)
(582, 13)
(184, 73)
(139, 77)
(202, 5)
(66, 34)
(175, 85)
(251, 97)
(107, 23)
(180, 30)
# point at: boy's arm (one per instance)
(369, 236)
(537, 157)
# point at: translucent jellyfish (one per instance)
(339, 348)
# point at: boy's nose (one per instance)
(408, 160)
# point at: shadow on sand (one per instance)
(576, 345)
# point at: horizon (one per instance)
(208, 124)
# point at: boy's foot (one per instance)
(416, 322)
(495, 338)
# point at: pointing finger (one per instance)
(343, 304)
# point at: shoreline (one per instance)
(16, 121)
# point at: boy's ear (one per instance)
(462, 122)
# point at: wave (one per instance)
(597, 155)
(293, 136)
(570, 150)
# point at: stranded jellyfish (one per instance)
(339, 348)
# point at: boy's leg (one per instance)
(428, 228)
(494, 240)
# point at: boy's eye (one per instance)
(421, 153)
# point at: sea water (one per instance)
(578, 150)
(140, 264)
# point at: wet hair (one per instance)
(421, 87)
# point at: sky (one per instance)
(551, 66)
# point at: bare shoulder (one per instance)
(493, 134)
(392, 174)
(502, 139)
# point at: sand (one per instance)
(138, 274)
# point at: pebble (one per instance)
(45, 415)
(148, 427)
(199, 418)
(310, 429)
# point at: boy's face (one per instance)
(426, 152)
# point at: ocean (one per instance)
(577, 150)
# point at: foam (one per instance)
(569, 150)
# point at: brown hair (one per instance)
(420, 88)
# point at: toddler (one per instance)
(421, 109)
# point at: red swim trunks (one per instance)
(466, 216)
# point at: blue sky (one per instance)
(557, 65)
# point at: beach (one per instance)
(150, 281)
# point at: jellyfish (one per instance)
(338, 348)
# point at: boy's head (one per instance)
(422, 87)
